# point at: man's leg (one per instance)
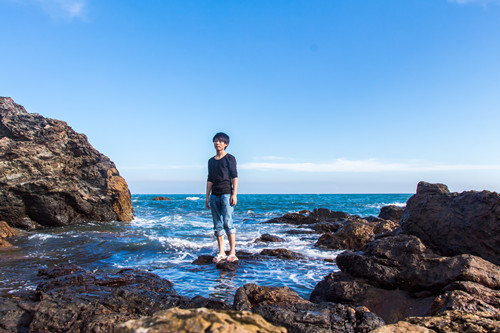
(216, 208)
(220, 242)
(232, 242)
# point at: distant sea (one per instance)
(166, 236)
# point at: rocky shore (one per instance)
(391, 279)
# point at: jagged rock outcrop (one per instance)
(455, 223)
(282, 306)
(51, 176)
(200, 320)
(420, 273)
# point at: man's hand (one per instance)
(207, 203)
(234, 200)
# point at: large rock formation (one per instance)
(51, 176)
(454, 223)
(439, 272)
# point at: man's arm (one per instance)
(234, 199)
(209, 190)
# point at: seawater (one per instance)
(166, 236)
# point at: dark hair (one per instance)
(222, 137)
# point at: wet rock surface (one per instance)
(267, 238)
(281, 306)
(200, 320)
(71, 299)
(282, 254)
(426, 281)
(52, 176)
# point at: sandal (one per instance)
(219, 258)
(232, 258)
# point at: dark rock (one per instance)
(391, 212)
(390, 304)
(281, 306)
(454, 223)
(291, 218)
(267, 238)
(161, 199)
(404, 262)
(282, 254)
(306, 217)
(71, 299)
(51, 176)
(328, 226)
(228, 265)
(203, 260)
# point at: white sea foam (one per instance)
(193, 198)
(180, 243)
(43, 237)
(380, 205)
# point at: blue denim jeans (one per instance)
(222, 214)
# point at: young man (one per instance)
(222, 188)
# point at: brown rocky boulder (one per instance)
(200, 320)
(454, 223)
(161, 199)
(283, 307)
(354, 234)
(51, 176)
(450, 321)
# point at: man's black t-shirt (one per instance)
(220, 174)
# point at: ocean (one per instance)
(166, 236)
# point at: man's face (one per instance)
(219, 145)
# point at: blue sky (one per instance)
(317, 96)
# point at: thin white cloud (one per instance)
(479, 2)
(370, 165)
(162, 167)
(66, 9)
(274, 158)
